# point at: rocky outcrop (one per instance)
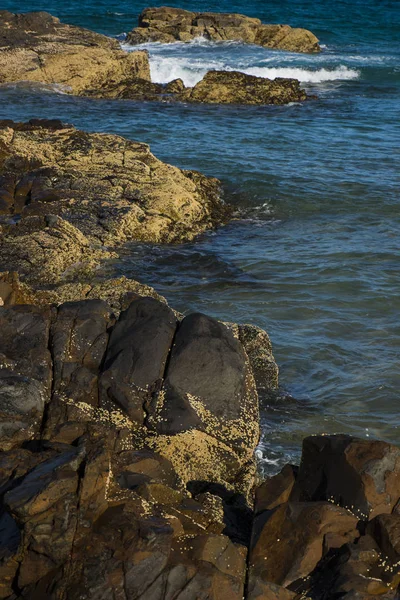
(233, 87)
(330, 528)
(166, 24)
(38, 47)
(107, 486)
(68, 198)
(216, 87)
(127, 469)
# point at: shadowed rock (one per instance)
(360, 475)
(136, 357)
(166, 24)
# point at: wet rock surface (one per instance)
(37, 47)
(166, 24)
(67, 198)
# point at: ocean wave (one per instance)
(191, 70)
(305, 75)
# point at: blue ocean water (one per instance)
(314, 255)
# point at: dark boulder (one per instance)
(359, 475)
(136, 357)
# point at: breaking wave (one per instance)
(192, 70)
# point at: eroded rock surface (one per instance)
(67, 198)
(317, 532)
(37, 47)
(166, 24)
(127, 468)
(93, 499)
(233, 87)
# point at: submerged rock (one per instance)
(233, 87)
(68, 197)
(37, 47)
(166, 24)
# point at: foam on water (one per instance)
(192, 70)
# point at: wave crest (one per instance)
(191, 71)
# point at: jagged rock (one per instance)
(355, 571)
(275, 491)
(78, 192)
(360, 475)
(261, 590)
(25, 373)
(95, 504)
(37, 47)
(258, 348)
(233, 87)
(166, 24)
(296, 533)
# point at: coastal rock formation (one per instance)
(67, 198)
(124, 477)
(216, 87)
(38, 47)
(99, 495)
(233, 87)
(166, 24)
(317, 532)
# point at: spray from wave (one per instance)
(191, 71)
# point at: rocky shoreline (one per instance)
(166, 24)
(38, 48)
(127, 466)
(127, 430)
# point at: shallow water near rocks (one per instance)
(314, 256)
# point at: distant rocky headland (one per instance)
(37, 47)
(166, 24)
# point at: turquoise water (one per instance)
(313, 256)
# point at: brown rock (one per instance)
(385, 529)
(233, 87)
(37, 47)
(275, 490)
(288, 541)
(360, 475)
(354, 572)
(262, 590)
(166, 24)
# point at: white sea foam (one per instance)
(305, 75)
(192, 70)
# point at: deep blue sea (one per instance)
(314, 257)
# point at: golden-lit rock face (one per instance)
(37, 47)
(68, 198)
(166, 24)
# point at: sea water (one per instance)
(313, 255)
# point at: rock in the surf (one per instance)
(166, 24)
(233, 87)
(67, 197)
(37, 47)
